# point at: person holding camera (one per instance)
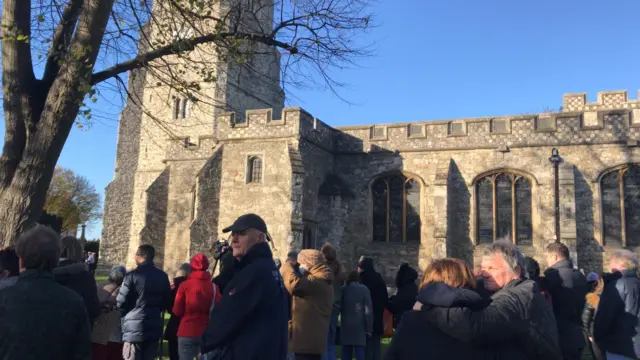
(250, 321)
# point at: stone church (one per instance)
(407, 191)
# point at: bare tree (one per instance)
(83, 47)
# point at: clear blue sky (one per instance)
(440, 59)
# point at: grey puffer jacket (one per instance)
(357, 315)
(517, 316)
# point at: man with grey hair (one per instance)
(518, 322)
(616, 327)
(39, 318)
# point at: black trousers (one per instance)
(307, 357)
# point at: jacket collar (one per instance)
(69, 268)
(35, 274)
(146, 264)
(563, 264)
(257, 251)
(629, 273)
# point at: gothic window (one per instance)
(503, 208)
(180, 108)
(254, 170)
(396, 209)
(621, 206)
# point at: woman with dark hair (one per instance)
(74, 274)
(416, 336)
(404, 299)
(590, 307)
(533, 271)
(107, 331)
(331, 257)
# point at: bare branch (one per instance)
(183, 47)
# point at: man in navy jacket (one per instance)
(144, 295)
(250, 321)
(616, 327)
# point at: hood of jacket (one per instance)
(199, 262)
(406, 275)
(563, 264)
(443, 295)
(69, 268)
(366, 264)
(322, 272)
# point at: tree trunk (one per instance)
(39, 114)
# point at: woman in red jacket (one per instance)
(193, 304)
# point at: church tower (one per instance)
(171, 120)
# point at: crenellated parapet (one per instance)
(267, 124)
(613, 119)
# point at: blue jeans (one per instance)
(348, 351)
(330, 354)
(188, 347)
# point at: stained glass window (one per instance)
(503, 208)
(620, 191)
(396, 209)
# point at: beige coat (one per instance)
(311, 310)
(108, 322)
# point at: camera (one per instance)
(220, 248)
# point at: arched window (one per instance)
(396, 209)
(503, 208)
(254, 170)
(620, 189)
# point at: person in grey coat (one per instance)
(357, 318)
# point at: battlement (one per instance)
(613, 118)
(606, 100)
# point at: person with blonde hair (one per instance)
(417, 335)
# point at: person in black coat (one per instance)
(405, 298)
(379, 297)
(568, 289)
(250, 321)
(416, 335)
(616, 326)
(39, 318)
(144, 295)
(74, 274)
(171, 330)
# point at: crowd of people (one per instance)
(258, 308)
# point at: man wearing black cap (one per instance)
(250, 321)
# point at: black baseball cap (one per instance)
(247, 221)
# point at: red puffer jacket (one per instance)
(194, 297)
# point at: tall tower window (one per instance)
(180, 108)
(254, 170)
